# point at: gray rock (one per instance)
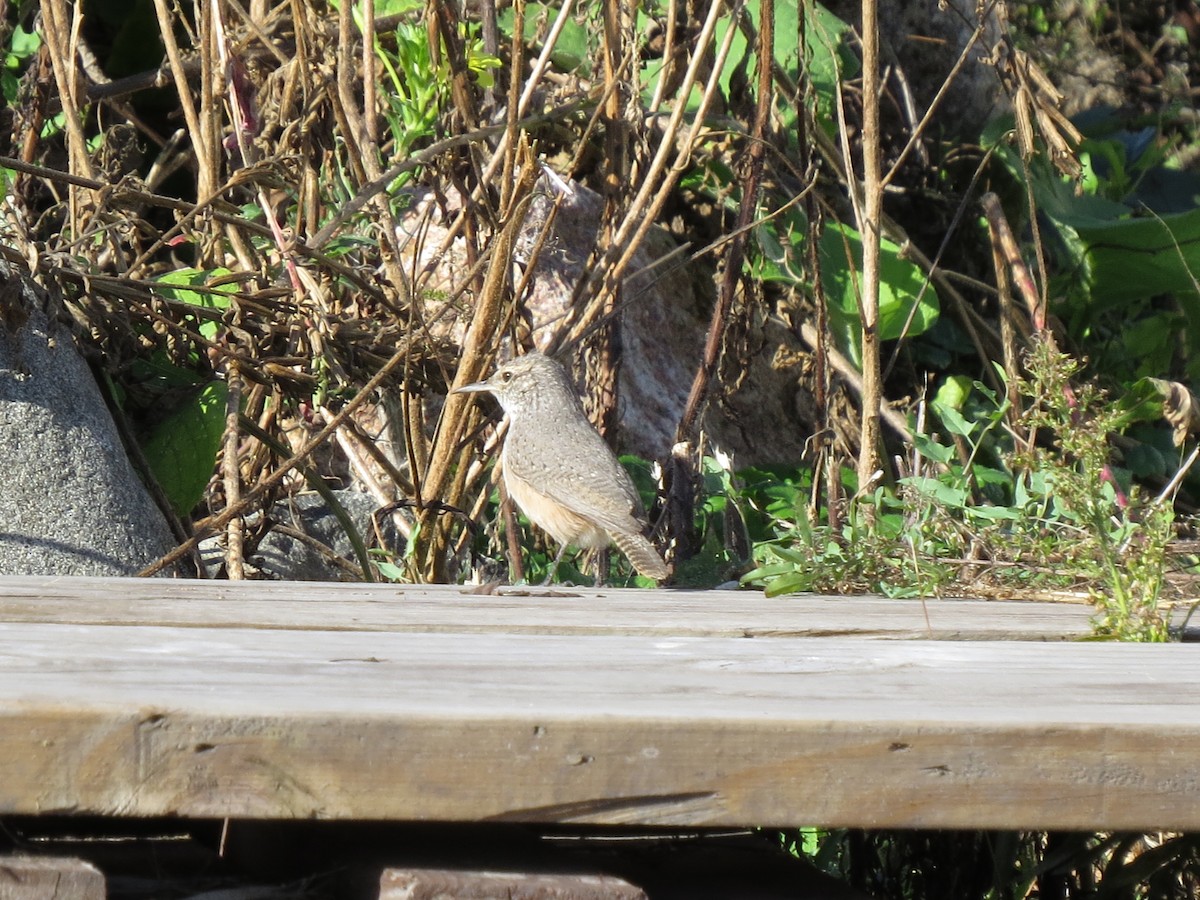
(70, 502)
(285, 558)
(664, 321)
(925, 41)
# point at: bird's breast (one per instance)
(553, 516)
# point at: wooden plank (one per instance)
(24, 877)
(436, 884)
(582, 611)
(621, 729)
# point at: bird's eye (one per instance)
(506, 377)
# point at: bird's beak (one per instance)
(479, 387)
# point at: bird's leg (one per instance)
(554, 565)
(600, 562)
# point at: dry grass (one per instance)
(282, 109)
(276, 115)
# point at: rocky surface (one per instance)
(664, 320)
(326, 555)
(70, 502)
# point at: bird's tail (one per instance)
(642, 554)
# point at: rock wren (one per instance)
(560, 471)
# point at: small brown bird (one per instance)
(560, 471)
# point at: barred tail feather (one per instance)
(642, 554)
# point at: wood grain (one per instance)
(581, 611)
(25, 877)
(652, 721)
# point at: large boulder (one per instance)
(70, 502)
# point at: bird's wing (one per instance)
(582, 474)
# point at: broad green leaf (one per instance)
(986, 476)
(788, 584)
(1143, 401)
(1122, 251)
(21, 45)
(829, 58)
(383, 8)
(571, 52)
(1145, 462)
(902, 289)
(183, 448)
(781, 249)
(1128, 258)
(954, 391)
(768, 571)
(788, 555)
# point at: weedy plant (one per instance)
(1035, 505)
(1118, 539)
(1003, 865)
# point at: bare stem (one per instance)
(870, 213)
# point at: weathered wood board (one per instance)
(556, 610)
(652, 721)
(24, 877)
(435, 884)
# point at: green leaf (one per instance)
(1131, 258)
(932, 450)
(827, 57)
(953, 420)
(1143, 401)
(903, 289)
(1119, 254)
(986, 476)
(938, 491)
(53, 125)
(395, 7)
(174, 286)
(996, 513)
(390, 571)
(781, 249)
(954, 391)
(788, 555)
(710, 177)
(183, 448)
(788, 584)
(570, 53)
(1145, 462)
(21, 46)
(383, 8)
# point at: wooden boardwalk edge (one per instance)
(559, 610)
(655, 721)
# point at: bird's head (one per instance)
(524, 384)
